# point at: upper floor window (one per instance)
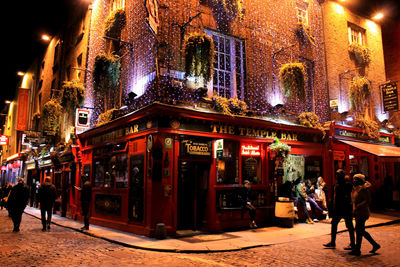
(228, 78)
(302, 15)
(356, 34)
(117, 4)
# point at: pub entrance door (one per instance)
(192, 193)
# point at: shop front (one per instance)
(378, 161)
(185, 168)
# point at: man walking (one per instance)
(47, 195)
(342, 208)
(17, 202)
(86, 197)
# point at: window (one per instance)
(228, 167)
(112, 171)
(302, 15)
(117, 4)
(228, 78)
(356, 34)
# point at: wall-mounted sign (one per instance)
(82, 119)
(23, 105)
(338, 155)
(191, 147)
(390, 96)
(3, 140)
(168, 143)
(250, 150)
(358, 135)
(219, 148)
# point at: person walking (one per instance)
(247, 205)
(86, 198)
(47, 195)
(342, 208)
(361, 200)
(17, 202)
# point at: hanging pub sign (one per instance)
(152, 11)
(390, 96)
(196, 147)
(82, 119)
(3, 140)
(251, 150)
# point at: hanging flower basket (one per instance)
(107, 116)
(51, 116)
(280, 149)
(73, 93)
(114, 23)
(370, 127)
(230, 107)
(360, 53)
(199, 56)
(293, 77)
(360, 90)
(310, 119)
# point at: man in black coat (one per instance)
(17, 202)
(342, 208)
(47, 195)
(86, 197)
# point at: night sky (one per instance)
(25, 21)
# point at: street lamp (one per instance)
(20, 73)
(45, 37)
(378, 16)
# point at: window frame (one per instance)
(117, 4)
(356, 34)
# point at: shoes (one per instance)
(43, 229)
(325, 212)
(253, 225)
(309, 221)
(84, 228)
(15, 230)
(355, 252)
(375, 248)
(349, 247)
(315, 220)
(329, 245)
(48, 226)
(327, 217)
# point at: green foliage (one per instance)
(199, 56)
(73, 94)
(115, 23)
(361, 53)
(310, 119)
(280, 149)
(360, 90)
(232, 8)
(370, 127)
(107, 116)
(51, 116)
(293, 77)
(230, 107)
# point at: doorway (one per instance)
(192, 194)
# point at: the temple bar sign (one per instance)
(390, 96)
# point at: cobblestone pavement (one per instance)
(64, 247)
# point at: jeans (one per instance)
(360, 233)
(349, 224)
(43, 211)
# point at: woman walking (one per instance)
(361, 200)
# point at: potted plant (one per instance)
(360, 90)
(73, 93)
(293, 77)
(114, 23)
(199, 56)
(51, 116)
(361, 53)
(280, 149)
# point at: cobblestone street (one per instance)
(64, 247)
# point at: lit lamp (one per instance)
(378, 16)
(45, 37)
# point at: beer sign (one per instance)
(82, 119)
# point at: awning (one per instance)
(378, 150)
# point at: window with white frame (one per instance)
(302, 15)
(228, 77)
(356, 34)
(117, 4)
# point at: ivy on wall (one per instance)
(114, 23)
(73, 94)
(51, 116)
(293, 77)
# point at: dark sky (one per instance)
(25, 21)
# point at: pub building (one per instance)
(350, 150)
(185, 167)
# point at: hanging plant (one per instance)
(310, 119)
(361, 53)
(369, 127)
(73, 93)
(360, 90)
(114, 23)
(232, 8)
(199, 56)
(304, 31)
(107, 116)
(293, 77)
(280, 149)
(51, 116)
(230, 107)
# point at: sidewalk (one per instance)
(228, 241)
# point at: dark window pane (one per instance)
(228, 63)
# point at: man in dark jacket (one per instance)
(47, 195)
(17, 202)
(86, 197)
(342, 208)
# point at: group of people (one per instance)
(18, 196)
(351, 199)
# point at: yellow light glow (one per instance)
(45, 37)
(338, 8)
(378, 16)
(20, 73)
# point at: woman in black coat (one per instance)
(17, 202)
